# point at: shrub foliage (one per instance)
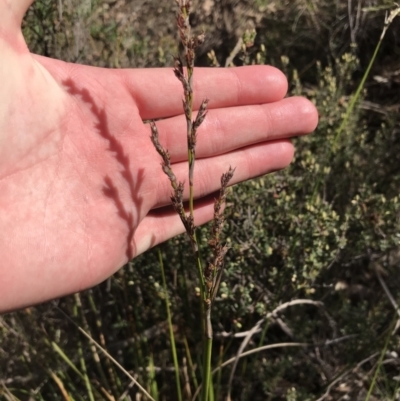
(327, 229)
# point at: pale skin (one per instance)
(81, 188)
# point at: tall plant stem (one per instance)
(382, 355)
(171, 330)
(388, 20)
(355, 97)
(189, 47)
(207, 351)
(209, 278)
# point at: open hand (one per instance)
(81, 188)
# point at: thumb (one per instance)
(13, 11)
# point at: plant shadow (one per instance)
(115, 147)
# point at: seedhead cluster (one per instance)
(210, 276)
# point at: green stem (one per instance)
(205, 390)
(190, 362)
(93, 349)
(219, 375)
(382, 355)
(82, 362)
(350, 109)
(388, 20)
(171, 330)
(357, 94)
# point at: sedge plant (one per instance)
(210, 275)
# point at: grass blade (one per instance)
(171, 330)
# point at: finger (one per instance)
(158, 93)
(228, 129)
(250, 162)
(163, 224)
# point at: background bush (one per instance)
(326, 229)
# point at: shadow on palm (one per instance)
(110, 190)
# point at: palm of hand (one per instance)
(81, 186)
